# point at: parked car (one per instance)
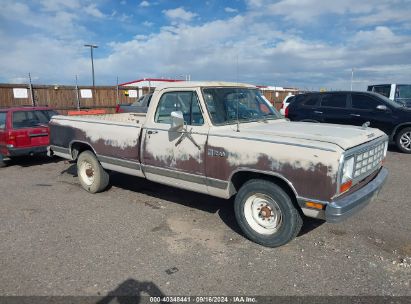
(140, 106)
(225, 140)
(400, 93)
(286, 102)
(24, 131)
(355, 108)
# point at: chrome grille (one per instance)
(369, 159)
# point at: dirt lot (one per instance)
(57, 239)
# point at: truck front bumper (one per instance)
(340, 209)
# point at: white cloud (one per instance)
(92, 10)
(61, 23)
(384, 14)
(256, 3)
(179, 14)
(144, 3)
(230, 10)
(148, 23)
(56, 5)
(306, 10)
(266, 54)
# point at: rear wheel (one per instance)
(266, 214)
(403, 140)
(2, 162)
(92, 176)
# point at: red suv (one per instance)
(24, 131)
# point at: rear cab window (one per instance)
(3, 116)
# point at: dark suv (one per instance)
(355, 108)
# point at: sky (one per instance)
(308, 44)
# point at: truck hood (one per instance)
(343, 136)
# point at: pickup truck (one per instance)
(225, 140)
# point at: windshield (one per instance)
(403, 94)
(227, 105)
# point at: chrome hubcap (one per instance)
(87, 173)
(262, 214)
(405, 141)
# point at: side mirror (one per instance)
(177, 120)
(382, 108)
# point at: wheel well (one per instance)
(78, 147)
(240, 178)
(399, 129)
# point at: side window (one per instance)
(363, 102)
(186, 102)
(310, 100)
(334, 100)
(50, 113)
(3, 120)
(41, 117)
(23, 119)
(383, 90)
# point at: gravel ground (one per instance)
(57, 239)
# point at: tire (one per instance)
(403, 140)
(2, 162)
(92, 176)
(260, 199)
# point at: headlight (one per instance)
(348, 169)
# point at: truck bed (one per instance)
(110, 136)
(132, 118)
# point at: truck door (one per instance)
(176, 157)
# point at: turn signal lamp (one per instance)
(346, 186)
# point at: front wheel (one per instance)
(92, 176)
(403, 140)
(266, 213)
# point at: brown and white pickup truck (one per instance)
(225, 140)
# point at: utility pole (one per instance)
(77, 95)
(91, 46)
(352, 77)
(33, 101)
(117, 97)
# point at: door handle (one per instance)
(318, 112)
(151, 132)
(356, 115)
